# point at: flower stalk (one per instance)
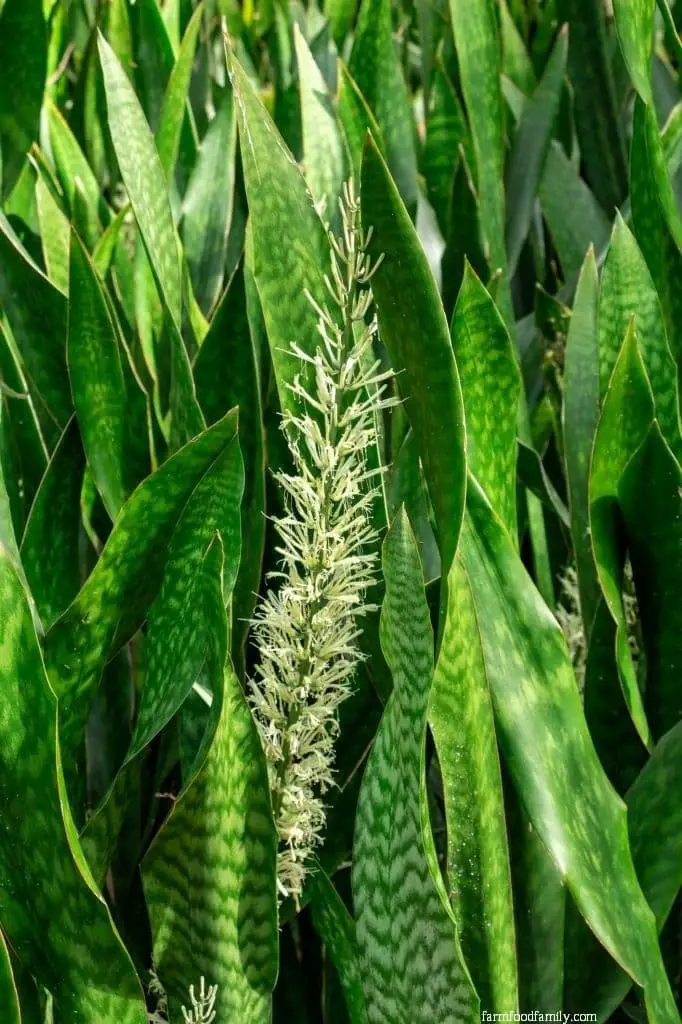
(306, 627)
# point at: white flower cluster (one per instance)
(306, 627)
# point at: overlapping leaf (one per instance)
(414, 329)
(56, 922)
(412, 967)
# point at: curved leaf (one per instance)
(336, 928)
(9, 997)
(116, 597)
(289, 245)
(480, 65)
(209, 876)
(144, 178)
(635, 27)
(580, 417)
(655, 827)
(324, 158)
(172, 113)
(177, 624)
(412, 967)
(23, 70)
(56, 922)
(49, 548)
(36, 312)
(375, 66)
(413, 327)
(110, 405)
(484, 353)
(625, 420)
(529, 151)
(626, 291)
(576, 813)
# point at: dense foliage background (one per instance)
(505, 832)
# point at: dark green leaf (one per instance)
(529, 152)
(56, 922)
(414, 329)
(23, 69)
(375, 66)
(576, 813)
(412, 968)
(50, 546)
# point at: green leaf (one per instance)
(172, 113)
(23, 69)
(412, 967)
(414, 329)
(596, 103)
(652, 516)
(76, 177)
(9, 997)
(208, 204)
(336, 928)
(656, 220)
(324, 158)
(635, 27)
(117, 595)
(580, 418)
(210, 874)
(655, 827)
(626, 291)
(446, 132)
(36, 312)
(517, 65)
(290, 247)
(478, 51)
(484, 352)
(22, 449)
(54, 235)
(478, 870)
(340, 14)
(541, 724)
(356, 119)
(144, 179)
(627, 414)
(50, 545)
(460, 712)
(574, 217)
(227, 374)
(529, 151)
(375, 66)
(176, 627)
(111, 406)
(67, 939)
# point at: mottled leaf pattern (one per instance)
(576, 813)
(118, 593)
(412, 967)
(209, 876)
(54, 919)
(409, 311)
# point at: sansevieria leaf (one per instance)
(209, 876)
(410, 311)
(290, 250)
(576, 813)
(376, 69)
(460, 710)
(9, 997)
(55, 920)
(118, 593)
(412, 966)
(626, 417)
